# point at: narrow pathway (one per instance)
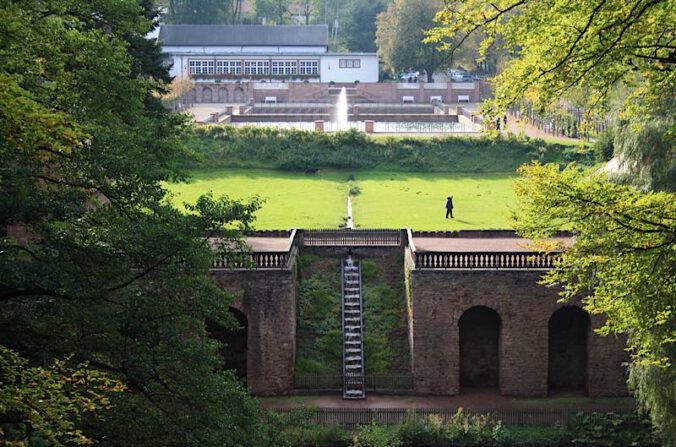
(350, 222)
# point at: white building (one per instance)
(265, 53)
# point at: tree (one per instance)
(400, 31)
(204, 11)
(558, 45)
(358, 29)
(276, 11)
(97, 266)
(622, 264)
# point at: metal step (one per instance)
(352, 311)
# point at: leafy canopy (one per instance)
(97, 267)
(558, 45)
(622, 263)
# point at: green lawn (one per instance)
(387, 199)
(417, 200)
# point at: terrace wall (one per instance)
(440, 297)
(206, 91)
(268, 299)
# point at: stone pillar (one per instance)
(368, 126)
(228, 110)
(458, 110)
(242, 110)
(319, 126)
(446, 110)
(214, 118)
(355, 111)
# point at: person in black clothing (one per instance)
(449, 207)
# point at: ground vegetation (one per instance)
(104, 292)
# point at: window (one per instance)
(349, 63)
(309, 67)
(229, 67)
(256, 67)
(283, 67)
(200, 67)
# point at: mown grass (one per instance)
(386, 199)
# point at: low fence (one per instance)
(483, 260)
(262, 260)
(352, 418)
(373, 382)
(352, 238)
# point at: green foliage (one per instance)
(319, 346)
(400, 33)
(558, 45)
(376, 436)
(622, 264)
(203, 11)
(293, 150)
(96, 265)
(604, 145)
(46, 404)
(611, 429)
(645, 147)
(358, 29)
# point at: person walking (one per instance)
(449, 207)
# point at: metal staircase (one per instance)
(353, 330)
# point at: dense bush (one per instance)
(465, 430)
(611, 429)
(220, 146)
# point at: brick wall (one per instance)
(268, 299)
(439, 299)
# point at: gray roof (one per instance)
(222, 35)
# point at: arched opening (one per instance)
(479, 348)
(223, 95)
(568, 333)
(207, 95)
(234, 341)
(238, 95)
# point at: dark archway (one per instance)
(238, 95)
(223, 95)
(479, 329)
(568, 333)
(234, 343)
(207, 94)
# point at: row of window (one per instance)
(196, 67)
(349, 63)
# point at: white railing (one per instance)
(408, 86)
(462, 85)
(270, 86)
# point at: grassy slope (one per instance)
(291, 199)
(416, 200)
(319, 331)
(387, 199)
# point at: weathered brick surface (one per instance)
(439, 300)
(268, 299)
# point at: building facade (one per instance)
(230, 53)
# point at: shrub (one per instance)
(612, 429)
(376, 436)
(221, 146)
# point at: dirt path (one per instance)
(476, 399)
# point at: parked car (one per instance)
(406, 75)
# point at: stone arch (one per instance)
(238, 95)
(234, 343)
(569, 330)
(223, 94)
(479, 329)
(207, 94)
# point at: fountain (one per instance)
(340, 117)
